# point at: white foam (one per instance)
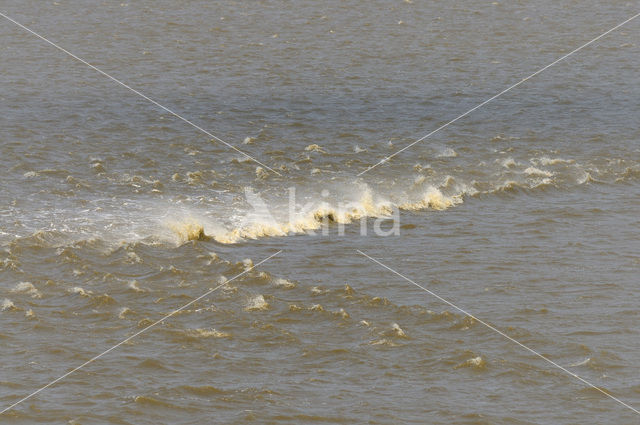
(545, 160)
(28, 288)
(398, 330)
(314, 148)
(447, 153)
(257, 303)
(261, 173)
(207, 333)
(432, 198)
(284, 283)
(7, 304)
(582, 363)
(123, 312)
(475, 363)
(508, 162)
(80, 291)
(533, 171)
(134, 285)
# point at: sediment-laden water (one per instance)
(114, 213)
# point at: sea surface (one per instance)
(115, 213)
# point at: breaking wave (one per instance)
(268, 221)
(230, 216)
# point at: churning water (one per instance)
(114, 213)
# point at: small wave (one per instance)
(447, 153)
(206, 333)
(155, 403)
(629, 173)
(398, 331)
(28, 288)
(533, 171)
(257, 303)
(133, 258)
(124, 311)
(474, 363)
(7, 304)
(316, 307)
(319, 291)
(342, 314)
(508, 162)
(133, 285)
(284, 283)
(314, 148)
(586, 178)
(261, 173)
(385, 342)
(582, 363)
(545, 160)
(510, 186)
(80, 291)
(189, 230)
(433, 198)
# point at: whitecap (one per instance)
(257, 303)
(28, 288)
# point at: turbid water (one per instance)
(114, 213)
